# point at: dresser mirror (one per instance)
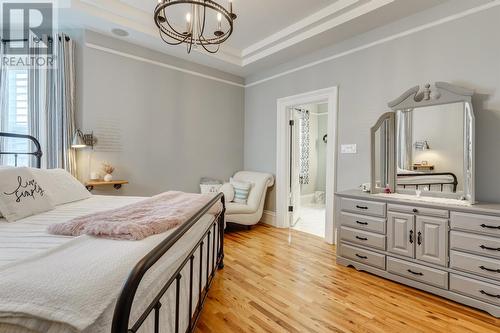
(425, 145)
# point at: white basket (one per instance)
(210, 188)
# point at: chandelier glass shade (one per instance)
(195, 23)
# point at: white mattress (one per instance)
(27, 237)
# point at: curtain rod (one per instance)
(66, 37)
(13, 40)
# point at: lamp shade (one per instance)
(78, 141)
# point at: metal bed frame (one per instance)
(37, 153)
(121, 317)
(417, 185)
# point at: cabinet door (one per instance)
(432, 240)
(401, 234)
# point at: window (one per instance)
(15, 117)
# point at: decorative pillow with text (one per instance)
(21, 195)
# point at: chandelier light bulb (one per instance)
(219, 17)
(188, 17)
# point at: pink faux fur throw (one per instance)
(139, 220)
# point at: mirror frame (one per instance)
(413, 98)
(391, 152)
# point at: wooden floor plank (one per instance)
(268, 285)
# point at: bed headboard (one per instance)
(37, 153)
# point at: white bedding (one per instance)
(26, 239)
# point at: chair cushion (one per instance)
(228, 191)
(260, 182)
(241, 190)
(238, 208)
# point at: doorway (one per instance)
(287, 190)
(309, 128)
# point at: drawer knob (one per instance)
(362, 238)
(415, 210)
(490, 226)
(488, 294)
(362, 223)
(489, 269)
(361, 207)
(484, 247)
(415, 273)
(361, 257)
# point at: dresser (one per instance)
(451, 251)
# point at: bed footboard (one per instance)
(123, 308)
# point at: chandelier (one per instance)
(206, 24)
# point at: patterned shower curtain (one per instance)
(305, 147)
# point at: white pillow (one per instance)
(228, 191)
(61, 185)
(21, 195)
(241, 190)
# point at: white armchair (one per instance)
(250, 213)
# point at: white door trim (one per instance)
(330, 96)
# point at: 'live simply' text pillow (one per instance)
(21, 195)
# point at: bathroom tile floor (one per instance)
(312, 219)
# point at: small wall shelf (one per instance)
(117, 184)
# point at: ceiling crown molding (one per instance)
(122, 14)
(342, 11)
(300, 25)
(334, 21)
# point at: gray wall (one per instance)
(174, 127)
(465, 52)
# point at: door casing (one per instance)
(329, 96)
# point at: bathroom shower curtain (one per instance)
(305, 147)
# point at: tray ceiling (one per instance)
(266, 32)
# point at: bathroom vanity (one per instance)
(430, 233)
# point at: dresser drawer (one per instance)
(363, 256)
(479, 244)
(478, 223)
(362, 237)
(427, 275)
(483, 291)
(471, 263)
(363, 222)
(364, 207)
(418, 210)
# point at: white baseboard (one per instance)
(269, 217)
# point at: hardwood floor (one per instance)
(269, 286)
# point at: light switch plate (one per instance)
(348, 149)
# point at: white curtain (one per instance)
(404, 139)
(3, 101)
(60, 106)
(51, 103)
